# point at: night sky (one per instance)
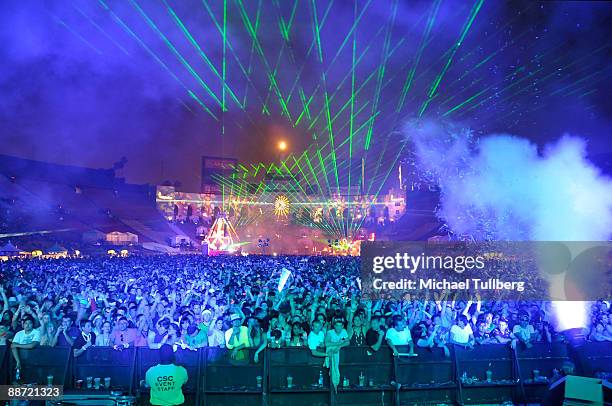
(163, 82)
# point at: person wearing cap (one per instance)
(166, 379)
(237, 337)
(523, 332)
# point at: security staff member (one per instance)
(166, 379)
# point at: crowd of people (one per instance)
(235, 303)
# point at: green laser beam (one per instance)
(176, 53)
(409, 78)
(273, 81)
(183, 28)
(246, 74)
(128, 30)
(381, 74)
(97, 26)
(252, 51)
(224, 65)
(75, 33)
(473, 13)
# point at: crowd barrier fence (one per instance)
(486, 373)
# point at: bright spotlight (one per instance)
(282, 145)
(571, 315)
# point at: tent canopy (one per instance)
(120, 233)
(9, 248)
(56, 249)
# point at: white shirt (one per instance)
(22, 338)
(216, 339)
(337, 338)
(316, 340)
(399, 337)
(461, 335)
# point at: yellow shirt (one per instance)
(243, 338)
(166, 383)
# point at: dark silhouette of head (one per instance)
(166, 354)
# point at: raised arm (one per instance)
(478, 304)
(238, 309)
(430, 339)
(313, 309)
(16, 317)
(349, 317)
(466, 311)
(5, 306)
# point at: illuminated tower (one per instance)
(221, 235)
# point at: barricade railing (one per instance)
(536, 367)
(428, 377)
(485, 373)
(232, 380)
(599, 356)
(117, 365)
(295, 371)
(4, 364)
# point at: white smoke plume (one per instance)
(502, 187)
